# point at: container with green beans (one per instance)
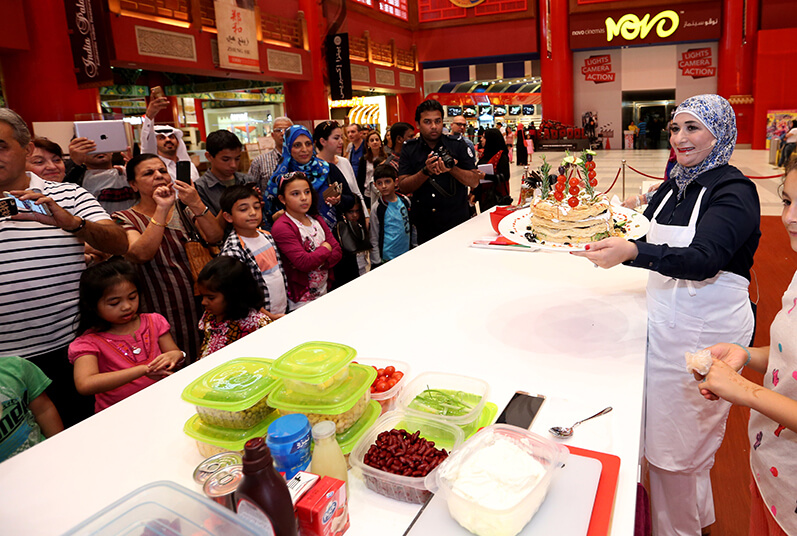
(455, 399)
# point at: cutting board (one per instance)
(566, 511)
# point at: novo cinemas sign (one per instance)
(690, 22)
(87, 38)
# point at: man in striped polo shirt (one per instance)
(41, 260)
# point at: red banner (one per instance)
(696, 62)
(598, 69)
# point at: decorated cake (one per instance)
(569, 211)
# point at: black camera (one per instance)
(442, 153)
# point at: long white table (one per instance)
(546, 323)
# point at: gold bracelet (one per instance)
(159, 224)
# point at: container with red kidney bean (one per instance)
(399, 450)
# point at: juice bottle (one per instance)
(328, 459)
(263, 498)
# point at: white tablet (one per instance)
(110, 136)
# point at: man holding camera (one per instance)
(437, 170)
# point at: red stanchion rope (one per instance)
(614, 181)
(778, 176)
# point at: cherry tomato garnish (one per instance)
(593, 182)
(574, 190)
(380, 386)
(574, 181)
(380, 372)
(561, 178)
(592, 174)
(573, 201)
(560, 187)
(558, 196)
(389, 370)
(590, 165)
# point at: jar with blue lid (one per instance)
(289, 441)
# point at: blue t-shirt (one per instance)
(397, 230)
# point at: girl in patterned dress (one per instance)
(773, 421)
(119, 351)
(233, 303)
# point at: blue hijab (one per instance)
(718, 117)
(316, 170)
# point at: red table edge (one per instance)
(607, 488)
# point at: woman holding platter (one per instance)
(703, 234)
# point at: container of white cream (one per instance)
(497, 480)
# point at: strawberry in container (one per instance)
(391, 377)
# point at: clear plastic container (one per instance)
(212, 439)
(403, 488)
(389, 399)
(164, 508)
(348, 439)
(235, 394)
(314, 367)
(469, 390)
(343, 404)
(514, 514)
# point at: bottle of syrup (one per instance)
(263, 498)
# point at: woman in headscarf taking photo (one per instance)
(703, 234)
(298, 154)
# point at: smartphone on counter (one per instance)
(184, 171)
(25, 206)
(521, 410)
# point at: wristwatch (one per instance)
(425, 171)
(79, 228)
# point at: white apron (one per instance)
(682, 429)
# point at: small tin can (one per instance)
(222, 485)
(213, 464)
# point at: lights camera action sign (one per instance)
(237, 29)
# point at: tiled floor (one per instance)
(652, 162)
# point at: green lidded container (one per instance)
(234, 394)
(349, 438)
(343, 404)
(314, 367)
(214, 439)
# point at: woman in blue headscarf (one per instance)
(703, 234)
(298, 154)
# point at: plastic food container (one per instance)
(389, 399)
(463, 388)
(212, 439)
(348, 439)
(314, 367)
(164, 508)
(343, 404)
(512, 516)
(233, 395)
(403, 488)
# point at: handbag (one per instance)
(198, 252)
(351, 240)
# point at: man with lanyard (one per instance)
(458, 127)
(439, 191)
(262, 168)
(356, 147)
(399, 133)
(164, 140)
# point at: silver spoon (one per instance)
(566, 431)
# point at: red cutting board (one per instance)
(607, 487)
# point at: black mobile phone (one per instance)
(184, 171)
(8, 207)
(27, 206)
(521, 410)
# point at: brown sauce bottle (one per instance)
(263, 498)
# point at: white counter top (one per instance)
(547, 323)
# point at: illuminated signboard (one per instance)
(700, 21)
(485, 109)
(499, 111)
(630, 26)
(454, 111)
(515, 110)
(528, 109)
(466, 3)
(469, 111)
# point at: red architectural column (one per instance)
(736, 60)
(308, 101)
(40, 83)
(556, 69)
(407, 103)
